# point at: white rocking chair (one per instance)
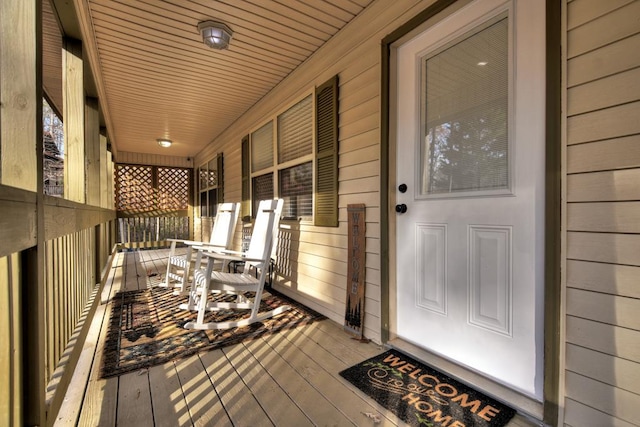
(258, 256)
(179, 266)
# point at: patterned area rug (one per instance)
(146, 328)
(423, 396)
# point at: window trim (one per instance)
(275, 167)
(219, 187)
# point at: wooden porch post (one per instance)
(21, 167)
(18, 92)
(104, 170)
(73, 94)
(92, 151)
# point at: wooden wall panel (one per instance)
(606, 92)
(581, 12)
(604, 61)
(603, 247)
(604, 308)
(604, 368)
(612, 217)
(612, 122)
(602, 213)
(610, 154)
(604, 338)
(602, 30)
(607, 278)
(620, 185)
(603, 397)
(578, 414)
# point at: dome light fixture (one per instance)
(215, 34)
(163, 142)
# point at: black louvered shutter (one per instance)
(220, 167)
(246, 181)
(326, 203)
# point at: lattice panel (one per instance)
(150, 188)
(134, 188)
(173, 189)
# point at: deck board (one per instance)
(309, 400)
(278, 405)
(167, 399)
(288, 378)
(241, 405)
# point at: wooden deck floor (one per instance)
(287, 379)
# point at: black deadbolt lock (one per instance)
(402, 208)
(402, 188)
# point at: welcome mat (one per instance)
(422, 396)
(146, 328)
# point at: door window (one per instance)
(464, 115)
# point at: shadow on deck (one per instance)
(289, 378)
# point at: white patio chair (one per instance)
(179, 266)
(257, 256)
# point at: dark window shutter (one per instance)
(246, 181)
(326, 204)
(220, 167)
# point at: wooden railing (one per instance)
(152, 232)
(51, 268)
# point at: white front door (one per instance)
(470, 153)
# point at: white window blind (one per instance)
(295, 131)
(296, 188)
(465, 105)
(262, 148)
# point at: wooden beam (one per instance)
(73, 116)
(18, 226)
(92, 150)
(19, 94)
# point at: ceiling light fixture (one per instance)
(164, 142)
(215, 34)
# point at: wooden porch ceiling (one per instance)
(156, 78)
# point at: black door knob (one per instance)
(401, 208)
(402, 188)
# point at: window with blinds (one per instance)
(262, 148)
(210, 186)
(296, 188)
(295, 144)
(261, 189)
(295, 131)
(302, 159)
(465, 106)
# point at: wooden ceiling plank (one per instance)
(185, 30)
(189, 93)
(300, 40)
(155, 65)
(317, 10)
(245, 10)
(168, 53)
(238, 55)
